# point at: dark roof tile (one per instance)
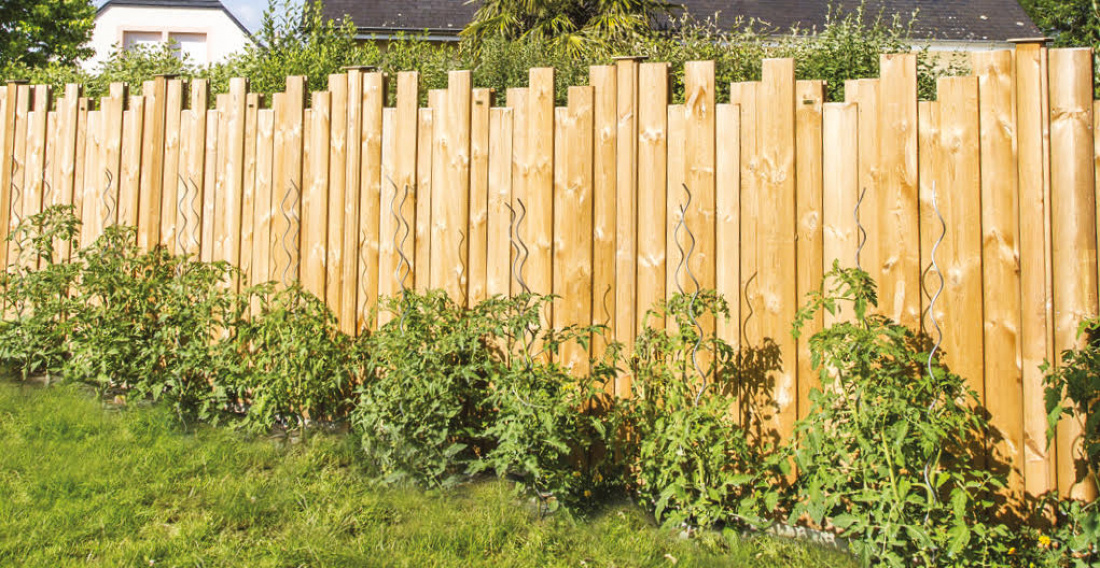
(960, 20)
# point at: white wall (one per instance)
(223, 36)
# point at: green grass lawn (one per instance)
(81, 484)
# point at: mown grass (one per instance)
(83, 484)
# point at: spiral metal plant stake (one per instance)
(404, 267)
(47, 189)
(292, 218)
(939, 340)
(748, 303)
(109, 201)
(16, 195)
(519, 259)
(684, 266)
(861, 235)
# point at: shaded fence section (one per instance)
(357, 192)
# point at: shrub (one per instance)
(549, 424)
(1073, 389)
(688, 457)
(296, 364)
(35, 295)
(889, 451)
(421, 410)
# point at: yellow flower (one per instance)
(576, 474)
(587, 493)
(1044, 541)
(1012, 551)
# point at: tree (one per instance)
(575, 24)
(36, 32)
(1070, 23)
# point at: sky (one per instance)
(249, 12)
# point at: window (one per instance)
(189, 45)
(131, 39)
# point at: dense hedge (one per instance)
(847, 47)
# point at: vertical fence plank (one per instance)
(262, 214)
(865, 93)
(388, 225)
(337, 187)
(809, 98)
(78, 165)
(573, 221)
(743, 95)
(170, 188)
(349, 246)
(373, 97)
(7, 163)
(540, 184)
(899, 253)
(220, 197)
(424, 143)
(627, 320)
(776, 123)
(315, 209)
(653, 171)
(130, 184)
(604, 182)
(19, 164)
(699, 142)
(727, 271)
(408, 97)
(958, 193)
(287, 192)
(931, 175)
(152, 171)
(87, 189)
(840, 187)
(189, 207)
(1073, 245)
(1000, 259)
(68, 112)
(211, 170)
(248, 190)
(451, 202)
(519, 101)
(479, 194)
(437, 99)
(498, 261)
(34, 179)
(677, 242)
(234, 166)
(112, 166)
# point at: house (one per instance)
(942, 24)
(202, 30)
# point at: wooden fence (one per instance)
(337, 192)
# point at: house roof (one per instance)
(949, 20)
(186, 4)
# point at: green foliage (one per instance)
(889, 452)
(1073, 390)
(294, 39)
(37, 32)
(576, 26)
(688, 457)
(421, 410)
(36, 301)
(1070, 23)
(299, 364)
(149, 324)
(549, 424)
